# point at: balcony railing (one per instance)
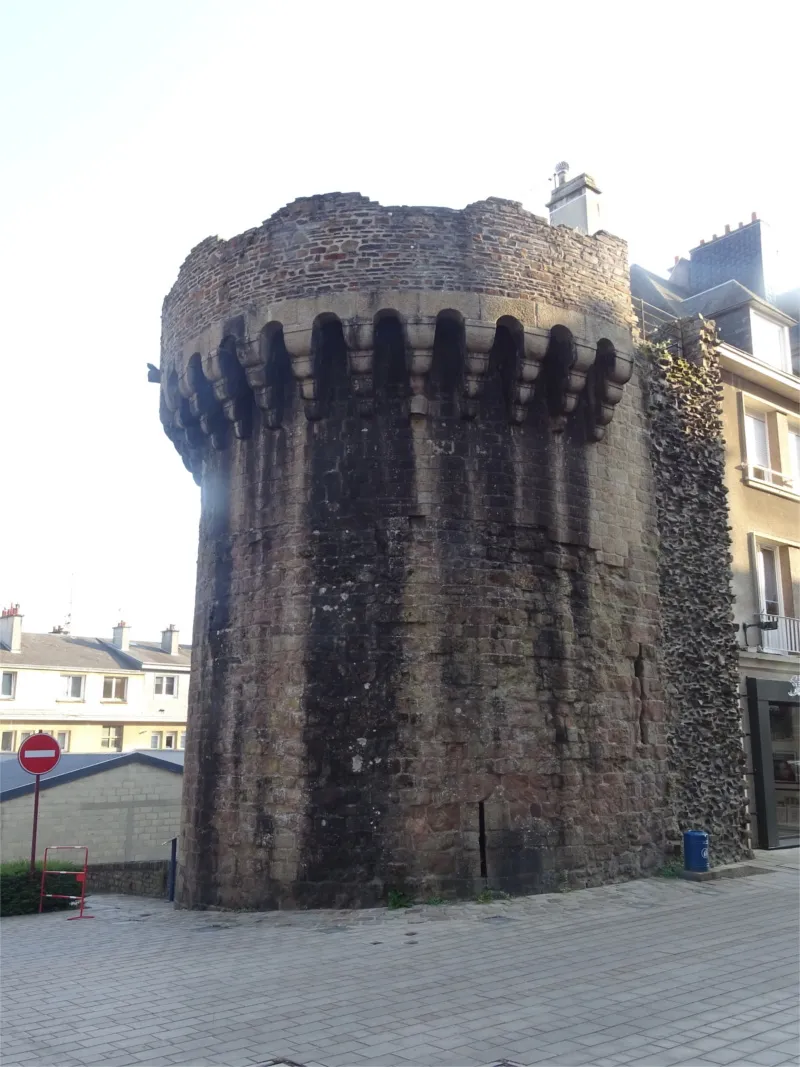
(757, 473)
(785, 638)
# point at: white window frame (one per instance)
(115, 733)
(66, 735)
(156, 734)
(13, 735)
(114, 678)
(794, 455)
(66, 683)
(761, 547)
(160, 685)
(174, 735)
(782, 333)
(13, 676)
(181, 740)
(25, 735)
(756, 474)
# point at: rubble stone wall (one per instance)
(699, 658)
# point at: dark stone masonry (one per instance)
(429, 631)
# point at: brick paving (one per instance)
(654, 972)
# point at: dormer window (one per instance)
(770, 342)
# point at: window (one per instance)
(794, 458)
(757, 440)
(9, 684)
(166, 685)
(25, 735)
(63, 740)
(72, 686)
(171, 740)
(155, 740)
(114, 688)
(182, 739)
(769, 580)
(111, 736)
(7, 741)
(770, 342)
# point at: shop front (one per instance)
(774, 718)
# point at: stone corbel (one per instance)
(530, 364)
(299, 346)
(360, 345)
(576, 378)
(231, 395)
(479, 340)
(611, 373)
(419, 336)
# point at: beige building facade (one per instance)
(92, 694)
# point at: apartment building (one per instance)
(730, 280)
(92, 694)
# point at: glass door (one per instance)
(784, 726)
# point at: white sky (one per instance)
(132, 129)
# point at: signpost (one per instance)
(37, 755)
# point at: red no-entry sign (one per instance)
(39, 754)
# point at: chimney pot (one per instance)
(11, 628)
(169, 640)
(754, 217)
(702, 240)
(121, 636)
(713, 237)
(727, 227)
(677, 258)
(740, 225)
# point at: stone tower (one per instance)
(427, 598)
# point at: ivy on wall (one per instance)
(699, 654)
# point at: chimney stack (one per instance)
(121, 636)
(574, 203)
(169, 640)
(11, 629)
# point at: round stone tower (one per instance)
(427, 599)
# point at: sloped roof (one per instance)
(89, 654)
(654, 290)
(152, 652)
(14, 782)
(63, 650)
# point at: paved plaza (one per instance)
(653, 972)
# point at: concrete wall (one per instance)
(88, 736)
(120, 814)
(38, 704)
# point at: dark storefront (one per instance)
(774, 713)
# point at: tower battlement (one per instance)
(490, 289)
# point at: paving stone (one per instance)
(549, 988)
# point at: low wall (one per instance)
(147, 878)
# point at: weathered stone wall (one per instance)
(699, 653)
(428, 612)
(344, 242)
(143, 879)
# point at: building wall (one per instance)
(87, 736)
(120, 814)
(38, 705)
(757, 510)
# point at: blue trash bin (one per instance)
(695, 850)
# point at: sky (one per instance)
(130, 131)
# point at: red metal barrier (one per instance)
(80, 877)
